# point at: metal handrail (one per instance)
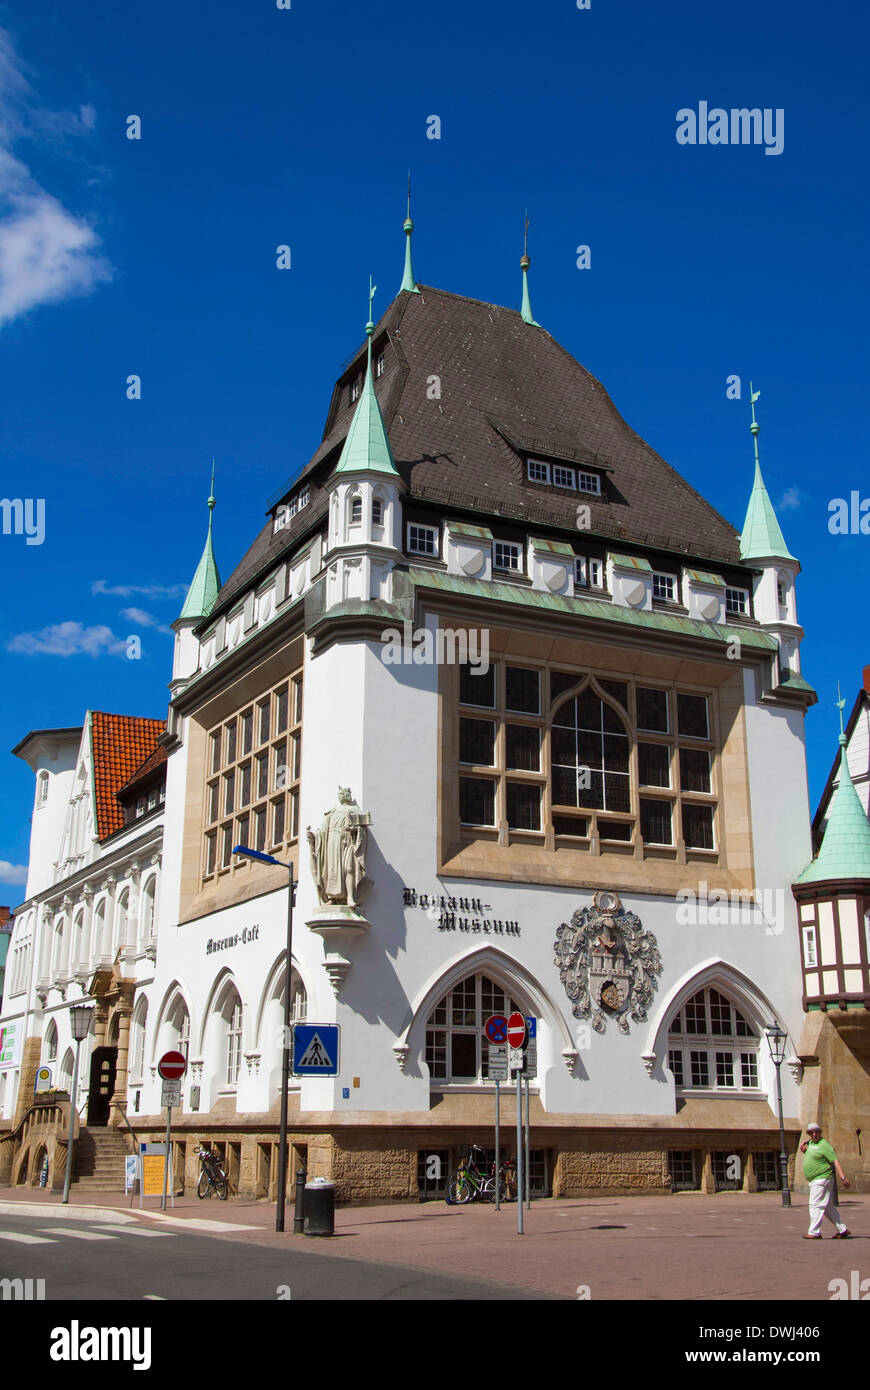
(127, 1123)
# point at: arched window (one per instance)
(78, 930)
(590, 755)
(232, 1014)
(711, 1046)
(147, 915)
(41, 789)
(355, 510)
(137, 1049)
(57, 956)
(121, 910)
(456, 1048)
(98, 933)
(51, 1042)
(66, 1071)
(378, 511)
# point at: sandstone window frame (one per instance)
(655, 725)
(253, 771)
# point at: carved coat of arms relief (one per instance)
(607, 963)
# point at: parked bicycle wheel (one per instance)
(221, 1186)
(489, 1189)
(459, 1189)
(203, 1187)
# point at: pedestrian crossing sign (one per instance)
(315, 1049)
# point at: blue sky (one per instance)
(263, 127)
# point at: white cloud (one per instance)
(46, 252)
(791, 499)
(12, 873)
(143, 619)
(100, 586)
(68, 639)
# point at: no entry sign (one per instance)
(516, 1031)
(496, 1028)
(172, 1065)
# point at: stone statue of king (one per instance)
(338, 851)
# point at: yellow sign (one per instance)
(152, 1174)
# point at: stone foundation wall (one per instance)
(615, 1164)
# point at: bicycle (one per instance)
(470, 1184)
(212, 1178)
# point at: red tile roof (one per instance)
(144, 770)
(120, 743)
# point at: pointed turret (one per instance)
(761, 538)
(365, 516)
(201, 597)
(206, 582)
(408, 281)
(367, 447)
(845, 847)
(526, 311)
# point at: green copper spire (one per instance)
(408, 282)
(367, 448)
(526, 311)
(761, 538)
(206, 582)
(845, 851)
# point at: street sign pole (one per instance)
(528, 1165)
(497, 1151)
(167, 1159)
(518, 1079)
(285, 1070)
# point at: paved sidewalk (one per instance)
(687, 1247)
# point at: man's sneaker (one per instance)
(843, 1235)
(812, 1237)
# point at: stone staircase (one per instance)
(98, 1160)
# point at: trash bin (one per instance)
(319, 1208)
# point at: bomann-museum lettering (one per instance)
(245, 935)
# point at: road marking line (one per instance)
(132, 1231)
(25, 1239)
(76, 1235)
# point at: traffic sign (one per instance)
(515, 1058)
(315, 1049)
(496, 1028)
(532, 1026)
(531, 1056)
(172, 1065)
(497, 1062)
(170, 1094)
(516, 1032)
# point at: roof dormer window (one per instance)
(355, 389)
(588, 482)
(538, 472)
(379, 366)
(665, 587)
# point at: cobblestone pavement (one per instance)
(686, 1247)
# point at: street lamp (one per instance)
(285, 1056)
(776, 1041)
(80, 1021)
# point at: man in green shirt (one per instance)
(821, 1168)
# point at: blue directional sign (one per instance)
(315, 1049)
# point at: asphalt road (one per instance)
(89, 1260)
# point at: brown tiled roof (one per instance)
(507, 389)
(144, 770)
(120, 743)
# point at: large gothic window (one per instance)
(584, 761)
(711, 1046)
(456, 1047)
